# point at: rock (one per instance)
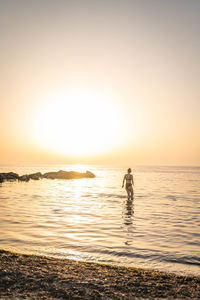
(64, 175)
(35, 176)
(49, 175)
(68, 175)
(89, 174)
(58, 175)
(24, 178)
(12, 175)
(1, 178)
(9, 176)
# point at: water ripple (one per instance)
(91, 219)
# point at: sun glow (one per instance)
(79, 123)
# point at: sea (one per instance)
(90, 219)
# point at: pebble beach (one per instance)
(38, 277)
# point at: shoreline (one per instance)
(39, 277)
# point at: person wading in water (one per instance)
(129, 184)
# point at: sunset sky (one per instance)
(100, 81)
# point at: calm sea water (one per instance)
(91, 219)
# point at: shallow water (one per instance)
(91, 219)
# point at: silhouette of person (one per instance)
(129, 184)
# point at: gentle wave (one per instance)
(91, 219)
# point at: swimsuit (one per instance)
(128, 181)
(128, 185)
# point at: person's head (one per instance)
(129, 170)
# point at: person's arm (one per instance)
(123, 180)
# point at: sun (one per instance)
(78, 122)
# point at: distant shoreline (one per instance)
(35, 276)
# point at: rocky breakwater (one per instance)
(68, 175)
(8, 176)
(49, 175)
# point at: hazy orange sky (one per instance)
(108, 81)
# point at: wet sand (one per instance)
(36, 277)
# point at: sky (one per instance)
(100, 81)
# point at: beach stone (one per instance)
(24, 178)
(34, 277)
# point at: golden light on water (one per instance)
(79, 123)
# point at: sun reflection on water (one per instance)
(92, 219)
